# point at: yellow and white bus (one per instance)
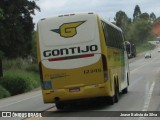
(81, 56)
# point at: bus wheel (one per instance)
(60, 105)
(125, 90)
(111, 100)
(127, 79)
(116, 93)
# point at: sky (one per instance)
(105, 8)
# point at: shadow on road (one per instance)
(88, 108)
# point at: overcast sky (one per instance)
(105, 8)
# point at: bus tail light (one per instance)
(105, 69)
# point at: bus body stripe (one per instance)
(70, 57)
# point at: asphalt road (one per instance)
(143, 95)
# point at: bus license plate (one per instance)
(74, 89)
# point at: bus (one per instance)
(131, 49)
(81, 56)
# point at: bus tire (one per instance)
(60, 105)
(116, 93)
(111, 100)
(127, 80)
(125, 90)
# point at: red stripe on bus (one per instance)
(70, 57)
(55, 59)
(86, 55)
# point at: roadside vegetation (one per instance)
(139, 29)
(145, 47)
(18, 42)
(17, 47)
(19, 76)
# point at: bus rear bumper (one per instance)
(85, 92)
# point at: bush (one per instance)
(18, 63)
(1, 54)
(3, 92)
(16, 83)
(145, 47)
(19, 76)
(32, 68)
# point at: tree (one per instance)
(152, 17)
(16, 29)
(122, 20)
(1, 13)
(34, 48)
(137, 12)
(144, 16)
(139, 32)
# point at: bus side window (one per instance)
(1, 72)
(110, 36)
(118, 39)
(105, 32)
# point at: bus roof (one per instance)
(111, 24)
(67, 15)
(83, 14)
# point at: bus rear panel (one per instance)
(70, 58)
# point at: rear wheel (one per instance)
(111, 100)
(125, 90)
(60, 105)
(116, 93)
(115, 98)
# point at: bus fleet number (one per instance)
(92, 71)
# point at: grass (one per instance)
(19, 81)
(19, 76)
(144, 47)
(31, 76)
(3, 92)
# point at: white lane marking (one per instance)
(148, 99)
(146, 105)
(19, 101)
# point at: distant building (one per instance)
(156, 27)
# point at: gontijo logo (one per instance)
(68, 29)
